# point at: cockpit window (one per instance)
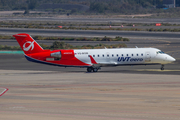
(160, 52)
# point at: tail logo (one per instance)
(31, 45)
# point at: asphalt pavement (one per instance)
(90, 33)
(95, 20)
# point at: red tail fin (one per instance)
(28, 44)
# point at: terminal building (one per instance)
(169, 3)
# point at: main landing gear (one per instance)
(90, 69)
(162, 67)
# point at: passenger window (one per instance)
(98, 55)
(141, 54)
(132, 54)
(93, 55)
(127, 54)
(122, 54)
(103, 55)
(107, 55)
(112, 55)
(137, 54)
(117, 55)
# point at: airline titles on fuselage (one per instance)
(127, 59)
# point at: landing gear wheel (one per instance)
(89, 69)
(95, 69)
(162, 67)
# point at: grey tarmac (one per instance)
(77, 95)
(95, 20)
(90, 33)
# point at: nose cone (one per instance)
(170, 59)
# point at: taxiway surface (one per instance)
(95, 20)
(61, 95)
(90, 33)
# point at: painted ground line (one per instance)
(4, 91)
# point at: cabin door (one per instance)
(147, 57)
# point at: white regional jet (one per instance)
(92, 59)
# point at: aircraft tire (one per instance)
(162, 67)
(95, 70)
(89, 69)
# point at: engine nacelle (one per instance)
(56, 54)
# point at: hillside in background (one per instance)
(88, 6)
(63, 7)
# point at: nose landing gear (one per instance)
(162, 67)
(90, 69)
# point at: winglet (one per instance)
(92, 60)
